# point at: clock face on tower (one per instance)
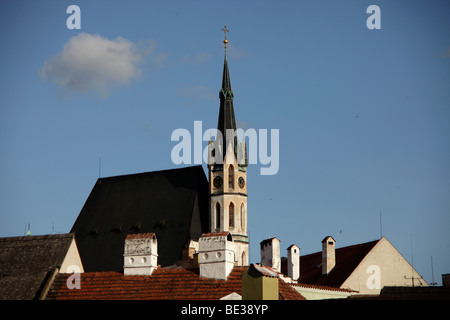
(241, 182)
(217, 182)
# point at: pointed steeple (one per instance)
(226, 92)
(227, 172)
(227, 119)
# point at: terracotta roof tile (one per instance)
(164, 284)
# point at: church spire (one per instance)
(226, 92)
(227, 172)
(227, 119)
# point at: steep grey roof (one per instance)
(26, 262)
(173, 204)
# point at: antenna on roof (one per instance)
(412, 267)
(381, 227)
(432, 273)
(99, 166)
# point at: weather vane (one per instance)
(225, 30)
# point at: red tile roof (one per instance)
(287, 292)
(164, 284)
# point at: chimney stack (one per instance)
(216, 255)
(293, 260)
(141, 254)
(270, 253)
(259, 283)
(328, 254)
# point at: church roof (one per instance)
(164, 284)
(173, 204)
(26, 262)
(347, 259)
(227, 119)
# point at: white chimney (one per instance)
(216, 255)
(141, 254)
(328, 254)
(293, 260)
(270, 253)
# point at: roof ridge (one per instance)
(39, 237)
(315, 286)
(152, 172)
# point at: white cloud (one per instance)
(92, 62)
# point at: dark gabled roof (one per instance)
(26, 262)
(173, 204)
(347, 259)
(164, 284)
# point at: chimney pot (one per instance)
(328, 254)
(293, 262)
(216, 255)
(270, 253)
(140, 254)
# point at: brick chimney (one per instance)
(293, 262)
(328, 254)
(216, 255)
(141, 254)
(270, 253)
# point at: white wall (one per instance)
(72, 259)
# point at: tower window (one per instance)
(217, 215)
(231, 177)
(231, 215)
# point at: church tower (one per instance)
(227, 166)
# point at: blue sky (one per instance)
(363, 115)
